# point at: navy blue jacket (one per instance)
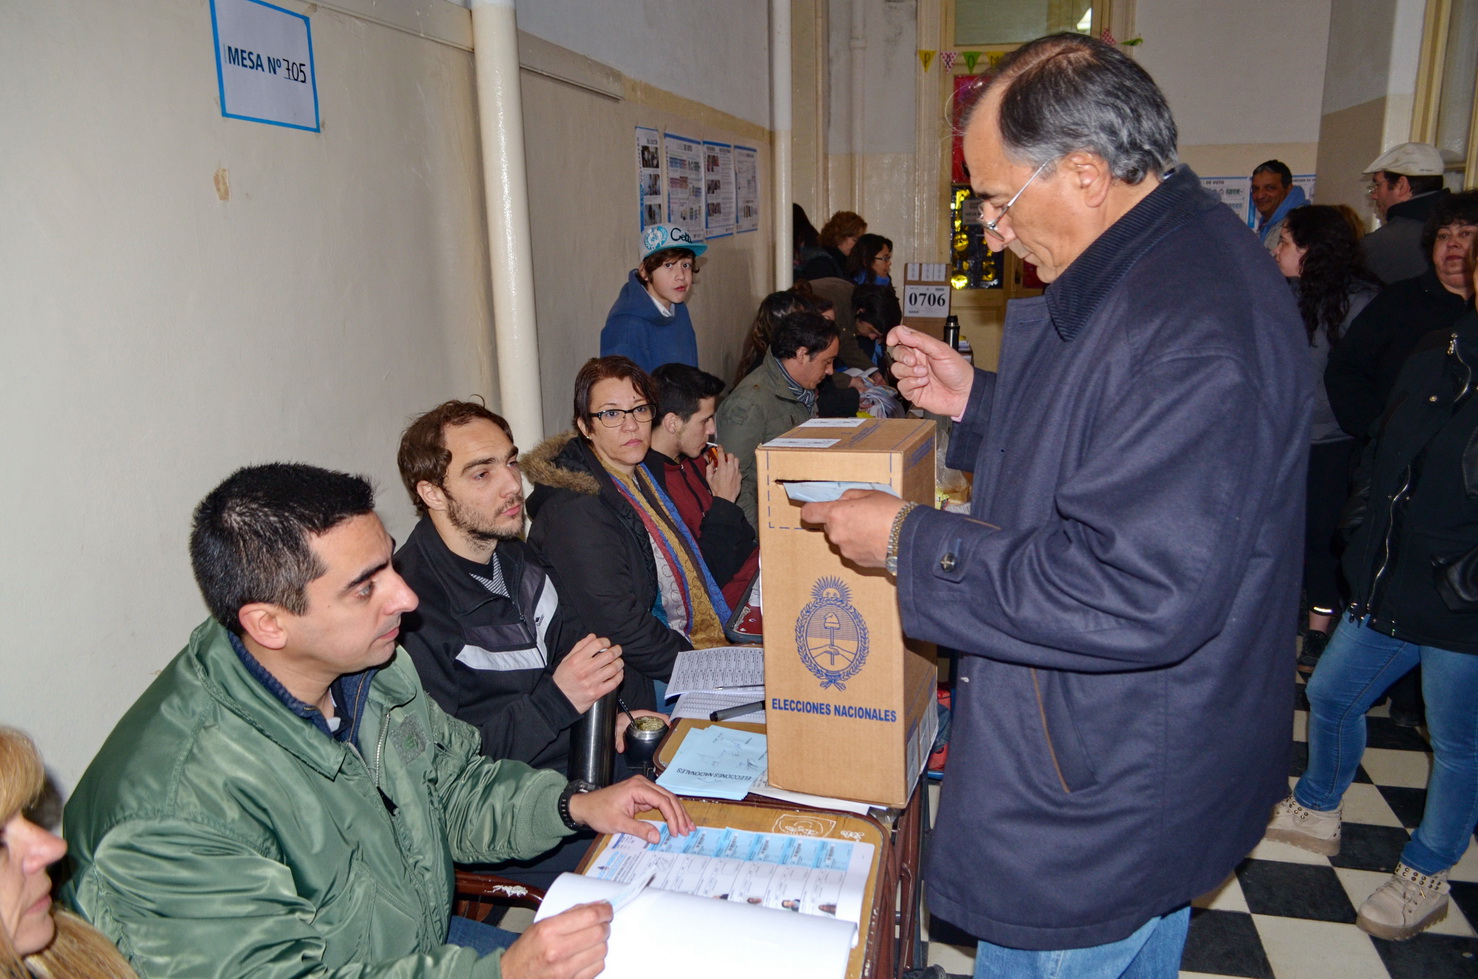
(1125, 588)
(635, 328)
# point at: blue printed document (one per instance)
(716, 763)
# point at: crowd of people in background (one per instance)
(641, 542)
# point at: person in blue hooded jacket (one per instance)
(649, 322)
(1273, 195)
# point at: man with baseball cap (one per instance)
(1405, 187)
(648, 321)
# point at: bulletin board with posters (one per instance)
(650, 199)
(746, 189)
(718, 189)
(685, 188)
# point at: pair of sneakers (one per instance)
(1404, 905)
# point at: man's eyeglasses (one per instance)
(990, 226)
(614, 417)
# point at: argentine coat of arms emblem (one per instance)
(830, 634)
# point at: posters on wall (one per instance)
(685, 184)
(718, 189)
(708, 189)
(746, 189)
(650, 199)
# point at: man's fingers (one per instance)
(816, 512)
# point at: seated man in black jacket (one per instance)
(491, 640)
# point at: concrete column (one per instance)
(510, 248)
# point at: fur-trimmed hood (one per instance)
(561, 462)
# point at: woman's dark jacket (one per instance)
(596, 543)
(1364, 364)
(1412, 561)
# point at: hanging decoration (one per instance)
(947, 60)
(927, 57)
(970, 58)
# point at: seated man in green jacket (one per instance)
(776, 396)
(285, 800)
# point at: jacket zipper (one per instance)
(1047, 734)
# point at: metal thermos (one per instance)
(593, 743)
(952, 331)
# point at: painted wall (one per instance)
(157, 336)
(1374, 46)
(872, 167)
(1243, 78)
(713, 53)
(582, 191)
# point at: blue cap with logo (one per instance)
(656, 237)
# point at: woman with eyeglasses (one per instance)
(619, 549)
(37, 939)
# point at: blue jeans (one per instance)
(479, 936)
(1356, 668)
(1152, 952)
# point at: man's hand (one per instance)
(590, 670)
(859, 523)
(622, 723)
(614, 808)
(723, 476)
(568, 945)
(930, 372)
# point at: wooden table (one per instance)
(891, 899)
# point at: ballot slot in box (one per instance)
(849, 702)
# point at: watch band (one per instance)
(890, 563)
(577, 786)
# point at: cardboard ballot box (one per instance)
(849, 705)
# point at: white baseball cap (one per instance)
(656, 237)
(1410, 160)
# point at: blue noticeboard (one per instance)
(264, 64)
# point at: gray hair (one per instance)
(1069, 92)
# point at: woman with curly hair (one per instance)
(1320, 254)
(36, 939)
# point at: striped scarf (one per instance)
(689, 600)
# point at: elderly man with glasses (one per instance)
(1124, 589)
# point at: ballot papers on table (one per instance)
(716, 763)
(724, 902)
(706, 680)
(700, 705)
(721, 668)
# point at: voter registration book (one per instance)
(724, 902)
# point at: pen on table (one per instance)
(741, 686)
(735, 711)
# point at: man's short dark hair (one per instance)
(1453, 209)
(423, 453)
(1419, 184)
(878, 305)
(1285, 175)
(1068, 92)
(812, 331)
(681, 387)
(251, 539)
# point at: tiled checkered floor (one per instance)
(1290, 914)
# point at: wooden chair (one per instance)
(478, 894)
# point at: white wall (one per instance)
(715, 53)
(156, 337)
(1243, 77)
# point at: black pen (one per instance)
(735, 711)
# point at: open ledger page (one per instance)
(663, 933)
